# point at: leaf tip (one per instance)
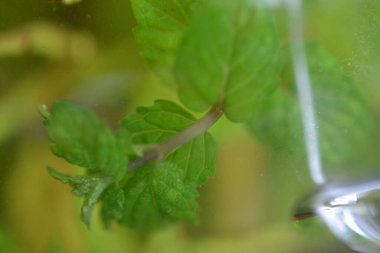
(55, 174)
(42, 109)
(58, 175)
(86, 216)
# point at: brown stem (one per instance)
(180, 139)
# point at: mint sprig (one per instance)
(163, 187)
(225, 57)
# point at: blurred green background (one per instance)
(86, 53)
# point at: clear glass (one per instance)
(85, 51)
(347, 199)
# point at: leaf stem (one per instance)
(199, 127)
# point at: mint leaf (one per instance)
(156, 195)
(112, 200)
(276, 120)
(197, 159)
(161, 24)
(344, 122)
(81, 138)
(228, 53)
(157, 123)
(89, 187)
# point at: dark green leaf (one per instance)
(89, 187)
(156, 195)
(156, 124)
(161, 24)
(343, 118)
(82, 139)
(229, 53)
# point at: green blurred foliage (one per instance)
(339, 106)
(6, 244)
(86, 52)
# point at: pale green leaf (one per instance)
(157, 123)
(161, 24)
(81, 138)
(156, 195)
(228, 54)
(344, 121)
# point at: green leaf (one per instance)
(161, 24)
(197, 159)
(343, 118)
(156, 195)
(157, 123)
(81, 138)
(228, 54)
(277, 121)
(112, 200)
(89, 187)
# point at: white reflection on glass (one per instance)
(304, 91)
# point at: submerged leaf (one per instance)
(81, 138)
(228, 54)
(156, 195)
(161, 24)
(343, 119)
